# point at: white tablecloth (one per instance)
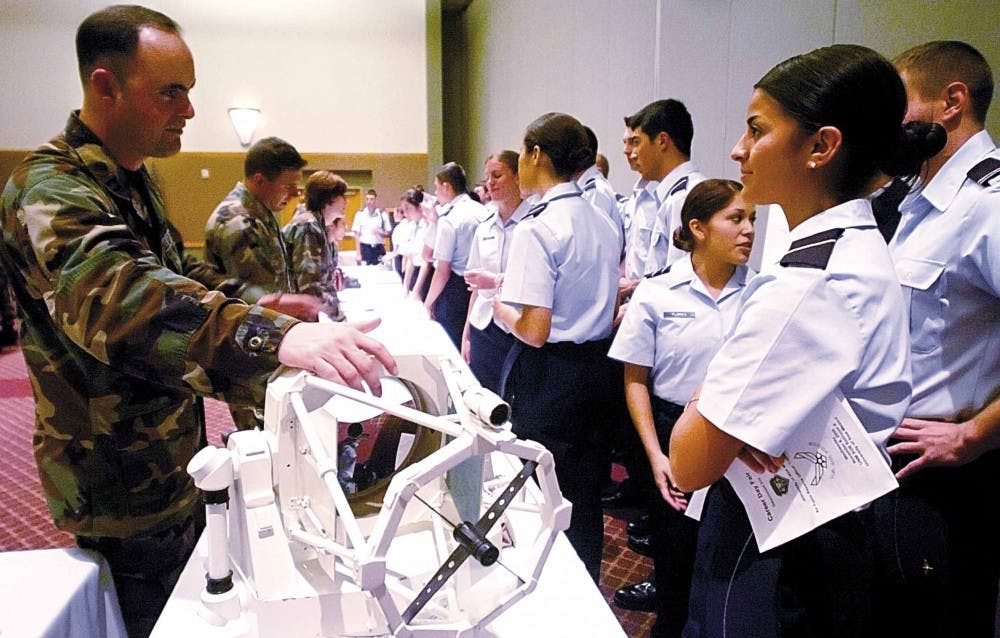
(57, 593)
(565, 604)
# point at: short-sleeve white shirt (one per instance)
(641, 210)
(947, 255)
(366, 223)
(598, 191)
(455, 228)
(674, 327)
(565, 259)
(671, 193)
(490, 249)
(803, 334)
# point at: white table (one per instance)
(57, 593)
(566, 603)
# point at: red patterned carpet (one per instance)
(25, 521)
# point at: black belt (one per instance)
(586, 351)
(665, 411)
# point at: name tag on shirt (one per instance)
(678, 315)
(489, 238)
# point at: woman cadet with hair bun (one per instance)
(829, 319)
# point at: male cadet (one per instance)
(122, 329)
(638, 214)
(940, 532)
(663, 154)
(598, 191)
(371, 226)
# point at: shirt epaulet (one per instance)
(661, 271)
(680, 185)
(986, 172)
(813, 251)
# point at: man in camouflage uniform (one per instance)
(243, 238)
(121, 329)
(312, 256)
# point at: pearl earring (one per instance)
(812, 164)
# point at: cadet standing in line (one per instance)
(122, 329)
(447, 300)
(558, 298)
(660, 150)
(664, 131)
(829, 320)
(370, 228)
(598, 191)
(674, 325)
(485, 343)
(939, 530)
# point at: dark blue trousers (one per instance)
(371, 255)
(818, 585)
(938, 552)
(452, 306)
(675, 536)
(489, 349)
(563, 395)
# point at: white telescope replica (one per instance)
(306, 538)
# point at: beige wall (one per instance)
(332, 76)
(190, 198)
(600, 61)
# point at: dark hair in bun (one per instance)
(859, 92)
(705, 199)
(563, 139)
(414, 195)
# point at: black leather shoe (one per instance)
(638, 527)
(8, 337)
(641, 545)
(637, 597)
(620, 495)
(612, 496)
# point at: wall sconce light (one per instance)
(245, 121)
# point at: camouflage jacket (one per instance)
(312, 259)
(119, 337)
(243, 240)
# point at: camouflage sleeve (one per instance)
(113, 297)
(246, 250)
(194, 268)
(312, 264)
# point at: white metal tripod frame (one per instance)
(364, 558)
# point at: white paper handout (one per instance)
(831, 467)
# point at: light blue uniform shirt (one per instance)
(366, 223)
(671, 193)
(947, 255)
(641, 209)
(805, 333)
(490, 248)
(455, 227)
(674, 327)
(598, 191)
(565, 259)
